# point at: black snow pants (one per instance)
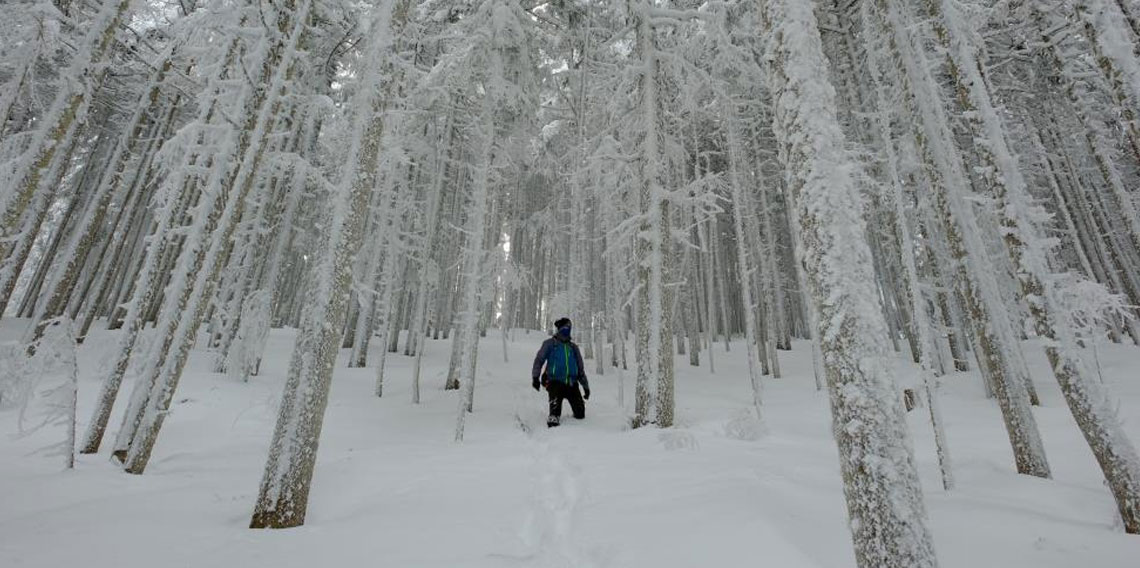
(559, 391)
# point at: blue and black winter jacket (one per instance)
(563, 362)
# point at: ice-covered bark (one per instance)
(884, 498)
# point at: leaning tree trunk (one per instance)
(924, 344)
(943, 167)
(89, 227)
(284, 493)
(38, 175)
(1090, 407)
(884, 499)
(170, 201)
(207, 247)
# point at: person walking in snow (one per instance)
(564, 372)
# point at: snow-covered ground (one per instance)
(393, 489)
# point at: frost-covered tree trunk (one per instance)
(843, 51)
(256, 235)
(36, 177)
(147, 291)
(924, 344)
(76, 254)
(428, 271)
(208, 244)
(503, 95)
(171, 201)
(386, 316)
(653, 334)
(687, 302)
(1065, 55)
(466, 334)
(884, 499)
(1019, 217)
(366, 320)
(1114, 46)
(374, 274)
(284, 493)
(706, 244)
(998, 350)
(739, 212)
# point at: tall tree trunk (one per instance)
(1017, 212)
(975, 280)
(209, 244)
(38, 175)
(884, 499)
(653, 332)
(284, 493)
(739, 212)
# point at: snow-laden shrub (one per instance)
(40, 381)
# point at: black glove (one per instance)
(534, 383)
(586, 395)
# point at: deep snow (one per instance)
(393, 489)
